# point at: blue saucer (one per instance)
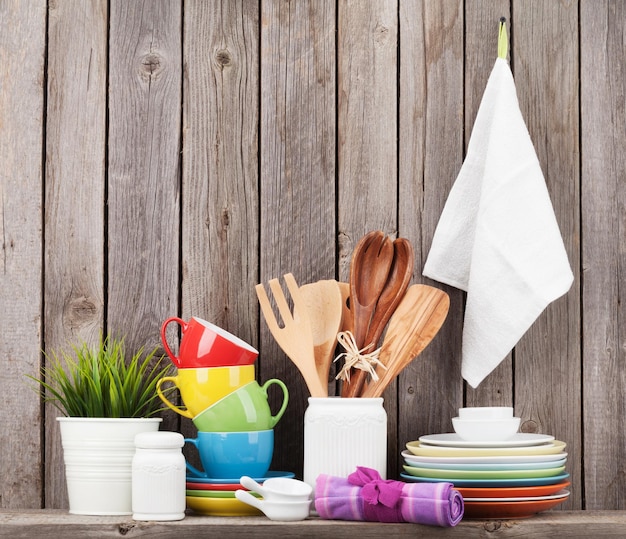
(235, 480)
(489, 483)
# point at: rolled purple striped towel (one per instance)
(363, 495)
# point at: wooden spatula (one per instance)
(346, 313)
(415, 322)
(322, 300)
(295, 337)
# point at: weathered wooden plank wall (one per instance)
(74, 192)
(161, 157)
(21, 179)
(603, 167)
(548, 51)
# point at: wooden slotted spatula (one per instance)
(415, 322)
(295, 337)
(322, 300)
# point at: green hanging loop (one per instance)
(503, 40)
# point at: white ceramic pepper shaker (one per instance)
(158, 476)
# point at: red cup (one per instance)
(206, 345)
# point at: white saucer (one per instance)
(452, 439)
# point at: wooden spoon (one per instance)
(323, 302)
(413, 325)
(393, 291)
(369, 269)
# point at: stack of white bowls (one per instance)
(486, 423)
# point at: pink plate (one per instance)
(208, 486)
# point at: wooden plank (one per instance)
(545, 58)
(367, 115)
(74, 214)
(22, 49)
(431, 152)
(603, 93)
(145, 81)
(50, 525)
(220, 167)
(297, 167)
(367, 152)
(481, 48)
(220, 176)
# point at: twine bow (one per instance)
(356, 358)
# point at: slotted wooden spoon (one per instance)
(369, 269)
(415, 322)
(393, 292)
(322, 300)
(295, 337)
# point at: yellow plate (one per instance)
(425, 450)
(221, 507)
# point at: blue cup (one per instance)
(229, 455)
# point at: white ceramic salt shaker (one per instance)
(158, 476)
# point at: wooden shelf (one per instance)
(49, 524)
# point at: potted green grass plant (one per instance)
(106, 398)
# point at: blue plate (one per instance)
(235, 480)
(490, 467)
(526, 482)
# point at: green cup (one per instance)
(245, 409)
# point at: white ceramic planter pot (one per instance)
(343, 433)
(98, 455)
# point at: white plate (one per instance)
(452, 439)
(512, 459)
(560, 494)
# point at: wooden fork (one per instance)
(296, 337)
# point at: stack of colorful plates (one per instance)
(515, 478)
(216, 497)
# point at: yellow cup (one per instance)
(200, 388)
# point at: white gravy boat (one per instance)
(284, 498)
(276, 510)
(277, 489)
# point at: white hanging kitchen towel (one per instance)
(497, 237)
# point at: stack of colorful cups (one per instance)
(217, 385)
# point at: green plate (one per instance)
(482, 474)
(215, 493)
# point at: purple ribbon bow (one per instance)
(380, 496)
